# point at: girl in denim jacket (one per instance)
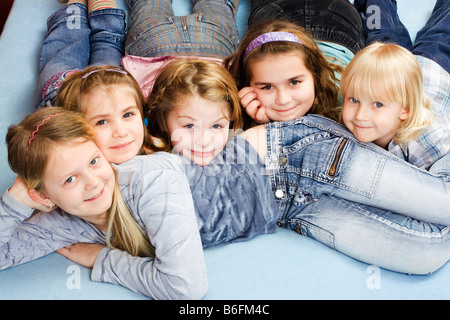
(313, 176)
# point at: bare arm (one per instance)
(256, 136)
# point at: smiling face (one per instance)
(284, 85)
(199, 128)
(117, 122)
(79, 180)
(373, 121)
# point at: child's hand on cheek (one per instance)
(251, 104)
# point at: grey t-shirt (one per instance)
(232, 202)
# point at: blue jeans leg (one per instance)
(65, 47)
(107, 36)
(432, 41)
(374, 236)
(312, 156)
(74, 41)
(382, 23)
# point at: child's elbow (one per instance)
(184, 287)
(194, 289)
(196, 292)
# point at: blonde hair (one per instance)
(198, 77)
(326, 89)
(99, 77)
(30, 145)
(383, 71)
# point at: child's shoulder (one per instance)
(153, 162)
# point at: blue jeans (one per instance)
(75, 40)
(357, 198)
(431, 41)
(210, 31)
(334, 21)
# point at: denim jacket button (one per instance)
(282, 161)
(279, 193)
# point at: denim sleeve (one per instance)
(157, 192)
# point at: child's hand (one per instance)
(19, 191)
(251, 104)
(82, 253)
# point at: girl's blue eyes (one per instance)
(92, 163)
(126, 115)
(378, 104)
(375, 104)
(70, 180)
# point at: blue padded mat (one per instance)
(284, 265)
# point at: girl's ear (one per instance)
(40, 197)
(404, 113)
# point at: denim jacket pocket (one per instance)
(355, 169)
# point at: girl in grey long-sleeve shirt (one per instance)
(157, 193)
(155, 189)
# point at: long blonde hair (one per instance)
(326, 88)
(198, 77)
(93, 78)
(386, 71)
(30, 145)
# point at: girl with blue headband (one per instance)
(282, 74)
(323, 35)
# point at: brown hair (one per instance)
(94, 77)
(30, 144)
(203, 78)
(326, 100)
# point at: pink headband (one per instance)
(37, 128)
(270, 37)
(97, 70)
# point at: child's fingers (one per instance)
(247, 99)
(65, 251)
(244, 91)
(252, 108)
(261, 116)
